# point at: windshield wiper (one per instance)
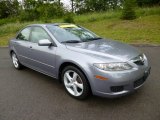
(97, 38)
(71, 41)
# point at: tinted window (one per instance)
(24, 34)
(37, 34)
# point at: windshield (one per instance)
(71, 33)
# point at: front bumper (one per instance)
(119, 83)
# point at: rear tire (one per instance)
(15, 61)
(75, 83)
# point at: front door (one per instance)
(43, 57)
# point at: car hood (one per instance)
(105, 48)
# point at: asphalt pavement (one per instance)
(29, 95)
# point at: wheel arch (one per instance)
(65, 64)
(10, 52)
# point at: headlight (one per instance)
(113, 66)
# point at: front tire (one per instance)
(15, 61)
(75, 83)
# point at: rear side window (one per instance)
(24, 34)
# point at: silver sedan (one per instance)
(84, 62)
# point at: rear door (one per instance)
(22, 46)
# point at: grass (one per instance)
(143, 30)
(9, 30)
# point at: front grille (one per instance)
(139, 82)
(117, 88)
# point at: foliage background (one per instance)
(116, 19)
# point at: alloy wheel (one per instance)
(73, 83)
(15, 60)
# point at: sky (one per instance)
(66, 2)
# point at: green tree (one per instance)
(128, 10)
(96, 5)
(142, 3)
(9, 8)
(48, 10)
(35, 10)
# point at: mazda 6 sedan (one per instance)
(84, 62)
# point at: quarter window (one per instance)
(24, 34)
(37, 34)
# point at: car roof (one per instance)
(56, 24)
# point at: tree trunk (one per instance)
(72, 5)
(59, 2)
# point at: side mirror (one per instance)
(44, 42)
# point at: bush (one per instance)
(69, 18)
(40, 11)
(28, 15)
(128, 10)
(7, 20)
(50, 11)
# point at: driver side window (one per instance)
(37, 34)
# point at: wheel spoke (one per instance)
(68, 77)
(68, 85)
(75, 90)
(15, 59)
(15, 63)
(79, 85)
(75, 76)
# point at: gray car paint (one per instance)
(106, 48)
(48, 59)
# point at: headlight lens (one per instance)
(113, 66)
